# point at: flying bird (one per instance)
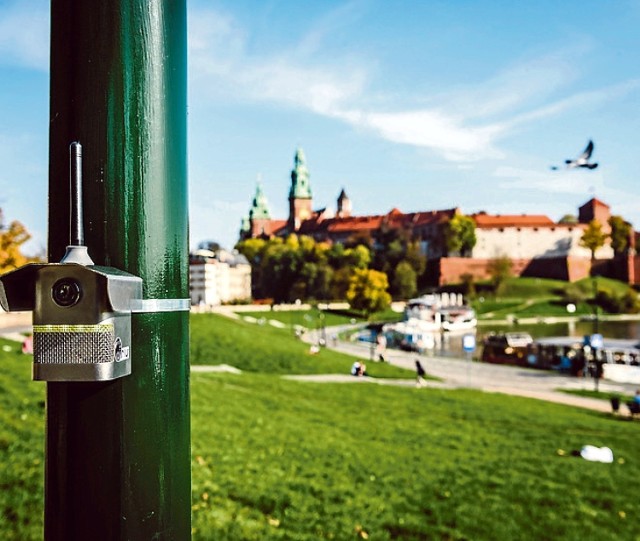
(582, 160)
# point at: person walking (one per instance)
(420, 381)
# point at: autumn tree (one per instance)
(620, 234)
(593, 237)
(368, 291)
(12, 237)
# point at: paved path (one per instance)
(460, 373)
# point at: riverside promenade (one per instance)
(451, 373)
(455, 373)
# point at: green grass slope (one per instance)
(21, 446)
(276, 459)
(279, 459)
(263, 348)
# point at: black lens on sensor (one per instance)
(66, 292)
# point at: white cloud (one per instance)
(438, 131)
(24, 34)
(464, 125)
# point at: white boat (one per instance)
(458, 318)
(413, 334)
(440, 313)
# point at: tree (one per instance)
(340, 282)
(280, 269)
(11, 239)
(499, 269)
(570, 219)
(593, 237)
(358, 257)
(460, 235)
(252, 249)
(210, 245)
(620, 234)
(368, 291)
(468, 284)
(405, 280)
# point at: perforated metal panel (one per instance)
(73, 344)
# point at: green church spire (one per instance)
(260, 207)
(300, 186)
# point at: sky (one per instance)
(417, 105)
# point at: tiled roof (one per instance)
(515, 220)
(272, 227)
(395, 218)
(594, 202)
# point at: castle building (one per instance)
(536, 244)
(300, 200)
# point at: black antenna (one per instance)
(76, 251)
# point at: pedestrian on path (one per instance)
(419, 374)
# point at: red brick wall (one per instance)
(636, 270)
(451, 268)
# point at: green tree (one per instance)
(280, 269)
(460, 235)
(499, 269)
(368, 291)
(11, 240)
(593, 237)
(568, 219)
(468, 284)
(620, 234)
(253, 250)
(405, 280)
(414, 256)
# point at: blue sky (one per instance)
(418, 105)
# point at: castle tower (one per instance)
(300, 202)
(344, 205)
(594, 209)
(259, 216)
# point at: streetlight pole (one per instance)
(118, 453)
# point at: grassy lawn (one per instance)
(539, 297)
(313, 319)
(283, 460)
(602, 395)
(21, 447)
(278, 459)
(263, 348)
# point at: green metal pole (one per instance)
(118, 453)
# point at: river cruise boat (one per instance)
(620, 357)
(568, 354)
(507, 348)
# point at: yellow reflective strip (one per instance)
(102, 328)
